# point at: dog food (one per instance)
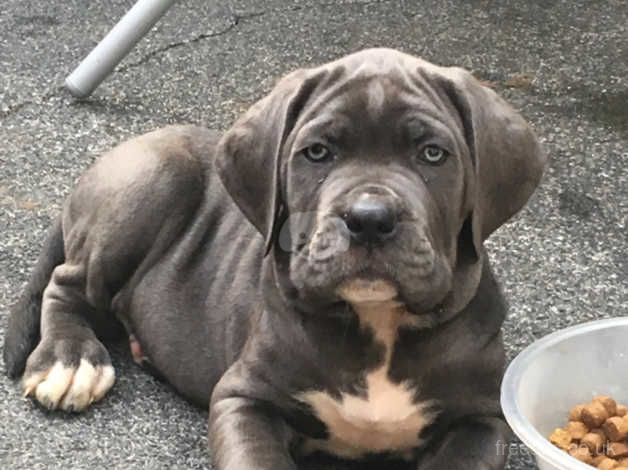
(596, 434)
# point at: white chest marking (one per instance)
(387, 419)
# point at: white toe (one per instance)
(29, 383)
(106, 378)
(50, 391)
(78, 395)
(70, 388)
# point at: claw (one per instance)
(48, 404)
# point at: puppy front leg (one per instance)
(244, 434)
(479, 443)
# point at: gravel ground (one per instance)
(562, 261)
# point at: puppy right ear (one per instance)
(249, 155)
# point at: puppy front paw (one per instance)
(68, 375)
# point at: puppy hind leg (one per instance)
(126, 211)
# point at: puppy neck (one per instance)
(376, 305)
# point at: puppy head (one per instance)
(377, 177)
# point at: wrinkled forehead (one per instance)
(378, 61)
(378, 95)
(378, 84)
(371, 83)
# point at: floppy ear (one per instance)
(507, 158)
(249, 155)
(506, 166)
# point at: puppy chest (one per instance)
(385, 419)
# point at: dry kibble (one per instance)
(601, 433)
(616, 428)
(581, 453)
(608, 403)
(617, 449)
(574, 413)
(594, 414)
(560, 438)
(607, 464)
(598, 459)
(577, 430)
(594, 442)
(596, 434)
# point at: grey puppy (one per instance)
(317, 276)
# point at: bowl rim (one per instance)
(528, 434)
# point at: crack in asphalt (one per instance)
(16, 108)
(235, 20)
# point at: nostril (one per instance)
(353, 222)
(386, 227)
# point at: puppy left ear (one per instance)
(507, 158)
(248, 157)
(506, 162)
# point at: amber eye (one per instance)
(433, 154)
(317, 153)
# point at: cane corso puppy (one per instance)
(316, 276)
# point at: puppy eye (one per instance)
(317, 153)
(433, 154)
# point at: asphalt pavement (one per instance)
(562, 261)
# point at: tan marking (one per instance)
(29, 383)
(50, 391)
(366, 70)
(105, 381)
(371, 296)
(362, 291)
(388, 419)
(376, 98)
(70, 388)
(78, 394)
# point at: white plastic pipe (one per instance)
(115, 46)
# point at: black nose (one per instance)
(371, 219)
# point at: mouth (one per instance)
(407, 270)
(362, 290)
